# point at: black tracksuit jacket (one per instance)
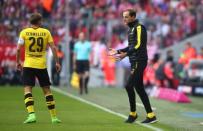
(137, 42)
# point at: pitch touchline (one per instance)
(103, 108)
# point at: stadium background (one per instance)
(171, 25)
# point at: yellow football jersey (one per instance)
(35, 42)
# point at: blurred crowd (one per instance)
(171, 73)
(15, 13)
(167, 21)
(13, 18)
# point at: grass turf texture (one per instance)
(78, 116)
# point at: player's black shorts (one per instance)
(30, 74)
(82, 66)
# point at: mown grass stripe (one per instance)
(103, 108)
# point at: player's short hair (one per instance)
(132, 12)
(35, 18)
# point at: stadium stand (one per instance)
(168, 21)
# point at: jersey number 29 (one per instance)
(38, 41)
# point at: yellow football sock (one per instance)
(150, 115)
(29, 103)
(51, 105)
(133, 113)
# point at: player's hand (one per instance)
(120, 56)
(58, 67)
(112, 52)
(19, 67)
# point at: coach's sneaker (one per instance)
(30, 119)
(55, 120)
(150, 120)
(131, 119)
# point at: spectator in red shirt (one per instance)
(188, 54)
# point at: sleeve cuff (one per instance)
(128, 53)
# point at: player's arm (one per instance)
(18, 49)
(18, 63)
(54, 52)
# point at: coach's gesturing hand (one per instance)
(120, 56)
(112, 52)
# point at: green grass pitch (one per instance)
(79, 116)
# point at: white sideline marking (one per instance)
(103, 108)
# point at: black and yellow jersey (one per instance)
(35, 41)
(137, 42)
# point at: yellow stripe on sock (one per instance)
(50, 103)
(30, 109)
(28, 99)
(53, 112)
(150, 115)
(133, 113)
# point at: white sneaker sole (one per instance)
(153, 121)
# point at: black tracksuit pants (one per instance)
(135, 82)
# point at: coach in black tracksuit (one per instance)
(137, 53)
